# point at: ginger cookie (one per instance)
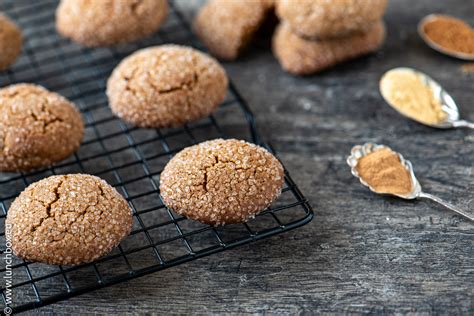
(37, 127)
(300, 56)
(10, 42)
(227, 26)
(325, 19)
(165, 86)
(109, 22)
(221, 182)
(68, 219)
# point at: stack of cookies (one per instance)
(316, 34)
(313, 34)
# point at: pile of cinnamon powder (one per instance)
(384, 172)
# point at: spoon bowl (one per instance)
(361, 151)
(448, 105)
(421, 31)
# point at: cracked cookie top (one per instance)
(220, 181)
(68, 219)
(37, 127)
(108, 22)
(165, 86)
(10, 42)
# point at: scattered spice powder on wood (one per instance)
(406, 91)
(384, 172)
(468, 68)
(450, 33)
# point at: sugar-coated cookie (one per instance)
(68, 219)
(165, 86)
(300, 56)
(37, 127)
(325, 19)
(227, 26)
(109, 22)
(10, 42)
(221, 182)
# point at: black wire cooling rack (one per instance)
(129, 158)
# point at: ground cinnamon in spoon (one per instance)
(450, 33)
(384, 172)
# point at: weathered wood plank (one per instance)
(362, 253)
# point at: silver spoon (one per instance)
(358, 152)
(452, 118)
(434, 45)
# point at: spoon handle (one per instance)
(446, 204)
(463, 123)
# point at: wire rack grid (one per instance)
(129, 158)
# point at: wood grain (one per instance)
(362, 253)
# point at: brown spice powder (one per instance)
(451, 33)
(468, 68)
(384, 172)
(406, 91)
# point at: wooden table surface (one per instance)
(361, 253)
